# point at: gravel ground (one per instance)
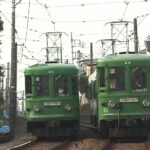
(88, 141)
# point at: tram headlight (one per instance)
(146, 102)
(36, 108)
(111, 104)
(68, 107)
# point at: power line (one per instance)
(127, 3)
(71, 21)
(45, 6)
(30, 29)
(144, 17)
(17, 37)
(27, 22)
(91, 4)
(82, 4)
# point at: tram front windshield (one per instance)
(117, 79)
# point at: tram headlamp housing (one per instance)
(36, 108)
(68, 107)
(111, 104)
(146, 102)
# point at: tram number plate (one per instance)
(52, 103)
(128, 100)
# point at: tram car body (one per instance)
(122, 95)
(52, 100)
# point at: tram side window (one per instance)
(138, 79)
(102, 76)
(28, 84)
(74, 85)
(117, 79)
(42, 85)
(61, 85)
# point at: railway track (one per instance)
(23, 145)
(87, 125)
(41, 144)
(87, 138)
(35, 143)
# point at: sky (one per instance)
(87, 20)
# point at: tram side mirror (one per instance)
(147, 45)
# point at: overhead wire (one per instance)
(144, 17)
(90, 4)
(120, 32)
(21, 44)
(65, 21)
(73, 21)
(83, 4)
(27, 22)
(18, 2)
(45, 6)
(85, 21)
(26, 30)
(127, 3)
(10, 24)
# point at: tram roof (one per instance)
(118, 58)
(55, 68)
(124, 57)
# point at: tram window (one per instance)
(28, 84)
(102, 77)
(61, 85)
(74, 85)
(42, 86)
(117, 79)
(138, 79)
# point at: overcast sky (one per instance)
(86, 20)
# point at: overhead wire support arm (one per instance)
(18, 3)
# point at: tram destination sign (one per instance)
(56, 103)
(129, 100)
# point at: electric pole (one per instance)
(135, 36)
(8, 85)
(72, 47)
(91, 59)
(13, 79)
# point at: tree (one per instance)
(1, 25)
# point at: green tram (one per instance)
(120, 104)
(51, 99)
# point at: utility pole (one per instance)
(135, 36)
(13, 79)
(72, 47)
(1, 81)
(91, 55)
(7, 85)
